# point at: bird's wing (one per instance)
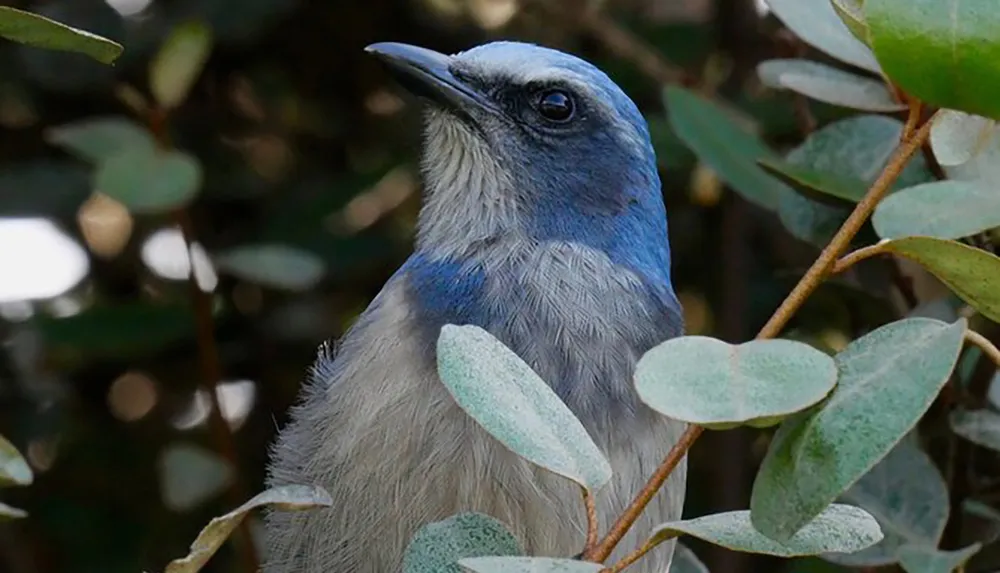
(372, 426)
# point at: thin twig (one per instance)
(211, 375)
(635, 556)
(855, 257)
(592, 525)
(984, 344)
(619, 41)
(912, 119)
(826, 260)
(211, 368)
(624, 523)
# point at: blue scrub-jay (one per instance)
(543, 222)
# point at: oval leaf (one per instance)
(528, 565)
(437, 547)
(702, 380)
(14, 470)
(944, 52)
(273, 265)
(908, 496)
(517, 407)
(685, 561)
(98, 138)
(38, 31)
(841, 528)
(149, 181)
(852, 14)
(981, 427)
(924, 559)
(806, 180)
(191, 475)
(984, 165)
(816, 23)
(956, 136)
(888, 380)
(828, 84)
(179, 62)
(7, 512)
(730, 150)
(973, 274)
(942, 209)
(287, 498)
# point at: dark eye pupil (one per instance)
(556, 106)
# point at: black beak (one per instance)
(427, 74)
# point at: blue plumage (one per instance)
(543, 223)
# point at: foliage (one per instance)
(889, 163)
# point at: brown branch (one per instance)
(828, 258)
(211, 367)
(592, 525)
(618, 40)
(600, 553)
(984, 344)
(855, 257)
(211, 375)
(634, 556)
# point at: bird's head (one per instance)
(522, 139)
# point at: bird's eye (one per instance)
(556, 105)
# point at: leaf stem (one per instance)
(592, 525)
(819, 270)
(603, 550)
(984, 344)
(635, 555)
(855, 257)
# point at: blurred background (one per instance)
(309, 157)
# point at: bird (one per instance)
(542, 221)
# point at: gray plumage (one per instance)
(552, 236)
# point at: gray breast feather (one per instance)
(376, 427)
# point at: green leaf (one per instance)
(956, 136)
(924, 559)
(43, 187)
(856, 148)
(286, 498)
(981, 427)
(841, 528)
(983, 166)
(528, 565)
(942, 209)
(702, 380)
(852, 14)
(517, 407)
(806, 180)
(38, 31)
(96, 139)
(149, 180)
(7, 512)
(811, 221)
(816, 23)
(119, 331)
(179, 63)
(909, 499)
(973, 274)
(437, 547)
(888, 380)
(729, 149)
(828, 84)
(191, 475)
(273, 265)
(685, 561)
(13, 469)
(944, 52)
